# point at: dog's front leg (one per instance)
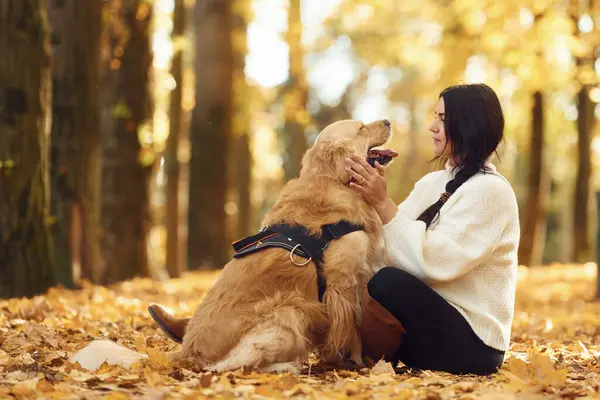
(356, 347)
(356, 353)
(346, 269)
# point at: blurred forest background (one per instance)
(141, 137)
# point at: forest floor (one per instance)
(555, 348)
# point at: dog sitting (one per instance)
(266, 309)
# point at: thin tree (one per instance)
(241, 118)
(534, 226)
(586, 120)
(172, 166)
(295, 96)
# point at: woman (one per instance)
(448, 292)
(446, 300)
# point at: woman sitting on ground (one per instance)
(446, 300)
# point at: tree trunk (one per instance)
(244, 170)
(26, 266)
(533, 228)
(75, 138)
(174, 265)
(581, 250)
(581, 226)
(241, 118)
(210, 133)
(126, 121)
(295, 96)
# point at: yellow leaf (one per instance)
(137, 366)
(44, 386)
(158, 358)
(287, 382)
(140, 343)
(56, 395)
(545, 372)
(26, 388)
(383, 367)
(517, 366)
(116, 396)
(153, 378)
(300, 388)
(223, 384)
(4, 357)
(352, 388)
(515, 383)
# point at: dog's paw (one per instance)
(291, 367)
(356, 353)
(351, 365)
(174, 356)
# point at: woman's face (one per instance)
(441, 145)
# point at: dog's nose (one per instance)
(387, 122)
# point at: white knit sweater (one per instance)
(469, 253)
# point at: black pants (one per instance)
(437, 335)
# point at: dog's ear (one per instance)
(326, 157)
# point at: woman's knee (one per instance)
(391, 281)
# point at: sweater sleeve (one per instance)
(466, 233)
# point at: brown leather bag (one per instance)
(381, 332)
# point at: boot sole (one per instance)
(164, 327)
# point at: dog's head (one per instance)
(343, 139)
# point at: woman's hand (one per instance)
(372, 185)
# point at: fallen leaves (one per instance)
(158, 359)
(554, 352)
(383, 367)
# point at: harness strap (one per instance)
(339, 229)
(307, 245)
(312, 246)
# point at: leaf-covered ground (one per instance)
(555, 351)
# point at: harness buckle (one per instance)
(292, 257)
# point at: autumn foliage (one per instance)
(554, 348)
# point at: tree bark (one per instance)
(581, 224)
(172, 168)
(26, 266)
(75, 137)
(295, 96)
(581, 250)
(533, 228)
(127, 114)
(210, 133)
(241, 118)
(243, 175)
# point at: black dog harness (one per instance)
(299, 242)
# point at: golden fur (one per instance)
(263, 311)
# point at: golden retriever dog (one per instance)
(263, 310)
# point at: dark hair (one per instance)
(474, 126)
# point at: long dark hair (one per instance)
(474, 126)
